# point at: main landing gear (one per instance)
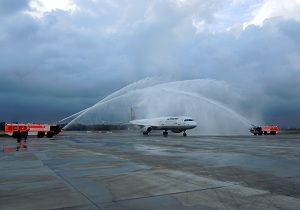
(165, 133)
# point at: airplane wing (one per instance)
(145, 123)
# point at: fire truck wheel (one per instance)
(49, 134)
(14, 135)
(40, 134)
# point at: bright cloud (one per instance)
(289, 9)
(39, 7)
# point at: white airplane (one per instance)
(175, 124)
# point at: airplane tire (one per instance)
(145, 133)
(184, 134)
(165, 133)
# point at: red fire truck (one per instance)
(39, 130)
(265, 130)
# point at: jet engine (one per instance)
(146, 129)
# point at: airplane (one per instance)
(175, 124)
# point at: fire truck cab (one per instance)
(12, 129)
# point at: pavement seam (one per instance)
(75, 188)
(174, 193)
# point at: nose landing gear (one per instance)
(184, 133)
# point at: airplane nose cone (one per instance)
(193, 124)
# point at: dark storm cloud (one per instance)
(262, 61)
(65, 62)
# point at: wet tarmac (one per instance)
(81, 170)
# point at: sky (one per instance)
(61, 56)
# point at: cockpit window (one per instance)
(188, 120)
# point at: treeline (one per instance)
(291, 130)
(99, 127)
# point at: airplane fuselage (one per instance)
(175, 124)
